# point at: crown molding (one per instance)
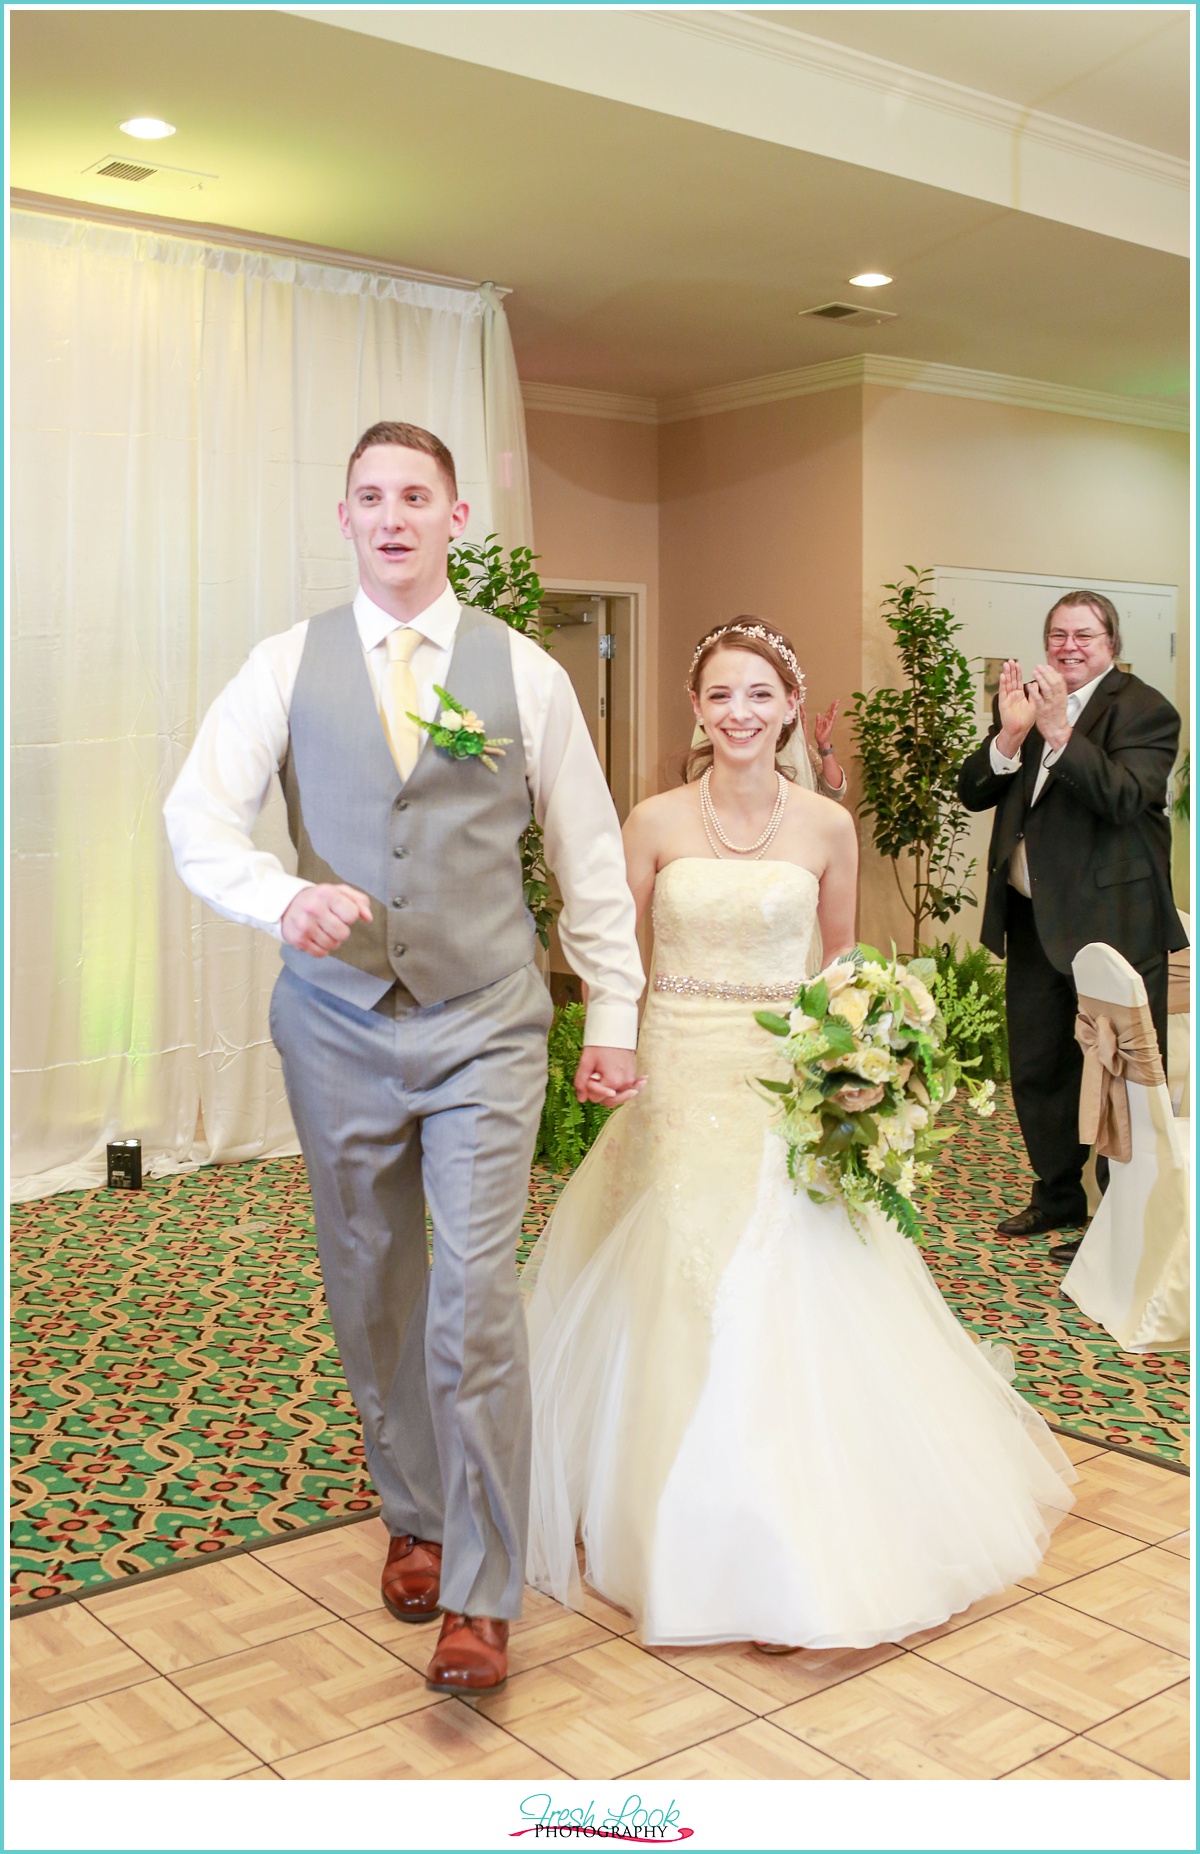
(826, 58)
(586, 402)
(764, 389)
(1011, 389)
(207, 234)
(884, 370)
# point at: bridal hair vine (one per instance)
(778, 644)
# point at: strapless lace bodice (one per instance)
(746, 926)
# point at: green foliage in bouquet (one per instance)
(871, 1067)
(480, 575)
(567, 1128)
(968, 989)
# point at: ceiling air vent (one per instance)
(849, 312)
(125, 170)
(152, 176)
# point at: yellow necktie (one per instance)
(400, 699)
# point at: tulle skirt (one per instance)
(763, 1424)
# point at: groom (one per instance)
(409, 1015)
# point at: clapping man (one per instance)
(1076, 765)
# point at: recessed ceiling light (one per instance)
(869, 280)
(148, 128)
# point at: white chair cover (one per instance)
(1132, 1274)
(1179, 1030)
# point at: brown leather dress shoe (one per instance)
(471, 1655)
(412, 1579)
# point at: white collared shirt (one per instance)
(1077, 701)
(242, 741)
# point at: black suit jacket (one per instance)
(1098, 841)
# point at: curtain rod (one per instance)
(206, 233)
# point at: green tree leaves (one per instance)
(911, 742)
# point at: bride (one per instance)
(762, 1426)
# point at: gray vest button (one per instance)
(398, 901)
(399, 850)
(399, 951)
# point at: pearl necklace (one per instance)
(712, 822)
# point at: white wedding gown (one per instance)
(762, 1426)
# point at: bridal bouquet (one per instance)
(871, 1069)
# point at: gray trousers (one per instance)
(394, 1107)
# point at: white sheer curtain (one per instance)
(180, 418)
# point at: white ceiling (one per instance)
(1123, 70)
(648, 253)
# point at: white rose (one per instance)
(853, 1006)
(450, 721)
(923, 1006)
(799, 1022)
(895, 1133)
(840, 974)
(874, 1065)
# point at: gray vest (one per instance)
(438, 853)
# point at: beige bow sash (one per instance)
(1119, 1045)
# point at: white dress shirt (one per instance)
(1018, 862)
(243, 740)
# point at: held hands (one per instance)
(321, 916)
(607, 1076)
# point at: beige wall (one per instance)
(761, 512)
(961, 482)
(594, 487)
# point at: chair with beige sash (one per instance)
(1132, 1273)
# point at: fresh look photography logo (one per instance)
(634, 1820)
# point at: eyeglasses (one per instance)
(1074, 637)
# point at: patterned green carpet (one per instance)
(177, 1391)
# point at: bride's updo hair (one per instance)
(750, 634)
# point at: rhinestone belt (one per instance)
(719, 988)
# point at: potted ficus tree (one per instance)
(482, 574)
(911, 741)
(508, 585)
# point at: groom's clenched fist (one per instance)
(321, 916)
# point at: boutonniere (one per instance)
(460, 732)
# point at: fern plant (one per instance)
(968, 989)
(480, 574)
(568, 1128)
